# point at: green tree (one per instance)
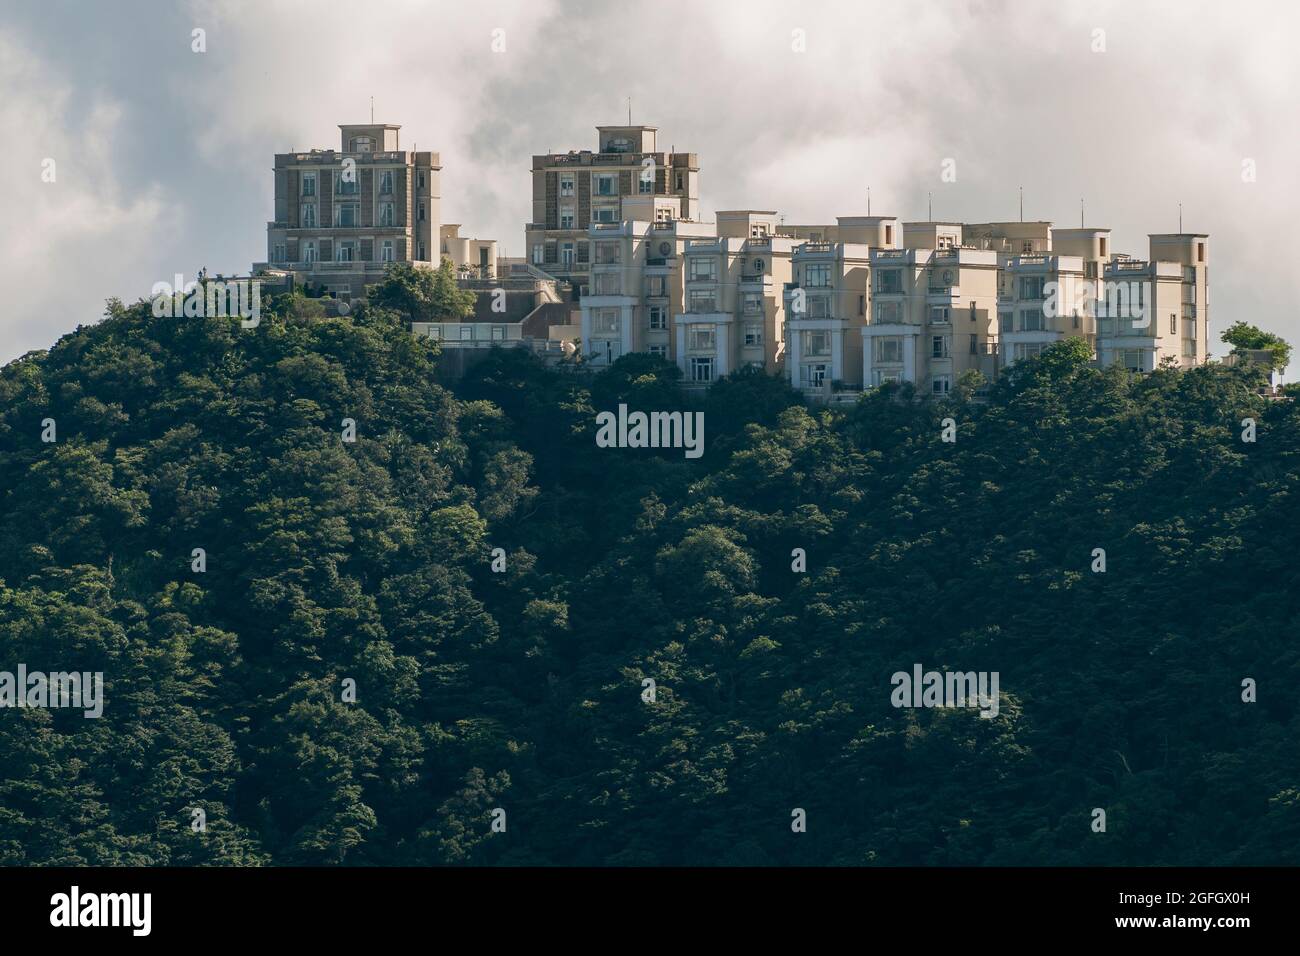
(1242, 335)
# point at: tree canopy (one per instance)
(349, 681)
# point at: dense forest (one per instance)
(331, 564)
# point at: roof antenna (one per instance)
(629, 111)
(1022, 203)
(1080, 213)
(868, 200)
(929, 199)
(1180, 218)
(372, 110)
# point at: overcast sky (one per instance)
(163, 155)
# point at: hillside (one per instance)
(371, 561)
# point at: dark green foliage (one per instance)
(370, 562)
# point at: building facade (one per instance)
(628, 177)
(341, 216)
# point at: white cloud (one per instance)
(883, 94)
(69, 240)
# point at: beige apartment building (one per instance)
(1050, 293)
(932, 312)
(706, 296)
(627, 178)
(341, 216)
(828, 299)
(1170, 320)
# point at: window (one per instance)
(1031, 320)
(817, 276)
(605, 214)
(703, 268)
(309, 184)
(1027, 246)
(701, 369)
(656, 286)
(701, 300)
(343, 252)
(940, 384)
(660, 351)
(386, 217)
(345, 185)
(347, 214)
(309, 252)
(974, 344)
(498, 333)
(939, 347)
(1005, 323)
(1102, 247)
(702, 338)
(362, 144)
(606, 184)
(421, 211)
(816, 375)
(658, 317)
(606, 283)
(889, 235)
(1090, 269)
(945, 242)
(1173, 324)
(467, 333)
(1076, 320)
(607, 253)
(435, 331)
(386, 182)
(606, 320)
(889, 313)
(753, 333)
(307, 216)
(862, 305)
(888, 349)
(419, 252)
(752, 303)
(566, 257)
(939, 315)
(818, 306)
(884, 377)
(889, 281)
(278, 254)
(679, 182)
(645, 185)
(566, 217)
(1200, 252)
(566, 184)
(816, 342)
(537, 253)
(1031, 287)
(1132, 359)
(420, 180)
(386, 251)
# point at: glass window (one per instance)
(702, 338)
(309, 184)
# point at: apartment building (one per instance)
(1049, 295)
(342, 215)
(828, 300)
(733, 313)
(932, 310)
(1157, 308)
(627, 177)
